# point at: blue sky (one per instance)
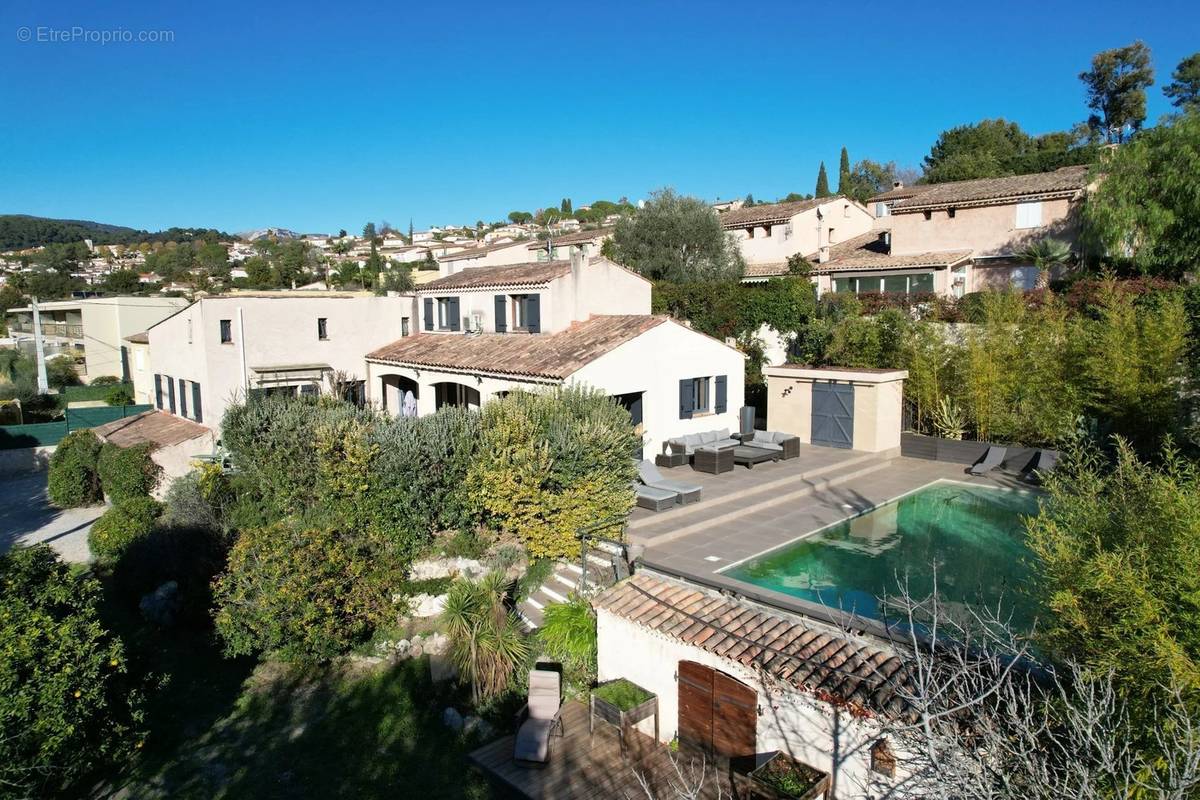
(316, 116)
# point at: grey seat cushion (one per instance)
(653, 492)
(533, 740)
(688, 444)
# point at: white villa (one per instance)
(769, 235)
(484, 332)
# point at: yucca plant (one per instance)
(485, 639)
(948, 419)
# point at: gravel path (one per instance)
(26, 517)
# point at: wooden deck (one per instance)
(583, 767)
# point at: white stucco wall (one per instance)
(278, 330)
(108, 320)
(654, 363)
(804, 234)
(791, 721)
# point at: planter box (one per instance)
(754, 785)
(611, 713)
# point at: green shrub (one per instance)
(303, 594)
(622, 693)
(119, 396)
(104, 380)
(127, 472)
(126, 522)
(568, 635)
(190, 556)
(67, 706)
(552, 462)
(73, 480)
(203, 498)
(61, 373)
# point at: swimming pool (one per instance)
(974, 535)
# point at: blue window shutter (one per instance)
(685, 398)
(170, 393)
(196, 415)
(455, 322)
(722, 400)
(533, 313)
(158, 391)
(428, 313)
(182, 397)
(501, 313)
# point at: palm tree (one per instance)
(1046, 254)
(485, 639)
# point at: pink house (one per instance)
(958, 237)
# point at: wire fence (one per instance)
(48, 434)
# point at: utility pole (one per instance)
(43, 384)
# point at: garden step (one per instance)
(530, 616)
(856, 470)
(744, 497)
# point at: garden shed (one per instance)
(847, 407)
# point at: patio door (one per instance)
(833, 414)
(633, 404)
(718, 714)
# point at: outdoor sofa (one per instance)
(687, 445)
(787, 444)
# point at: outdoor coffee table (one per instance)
(713, 460)
(745, 454)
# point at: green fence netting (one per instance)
(47, 434)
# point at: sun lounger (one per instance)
(991, 459)
(654, 498)
(1043, 463)
(650, 476)
(539, 719)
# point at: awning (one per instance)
(290, 373)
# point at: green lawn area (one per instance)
(222, 728)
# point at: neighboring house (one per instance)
(957, 237)
(487, 331)
(769, 235)
(567, 246)
(95, 328)
(139, 368)
(513, 231)
(215, 351)
(492, 255)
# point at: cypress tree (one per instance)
(822, 182)
(844, 173)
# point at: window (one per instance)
(1029, 215)
(922, 283)
(139, 360)
(444, 310)
(700, 395)
(226, 331)
(404, 326)
(322, 328)
(832, 237)
(845, 284)
(895, 283)
(950, 213)
(520, 312)
(882, 209)
(309, 390)
(846, 211)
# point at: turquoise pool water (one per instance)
(974, 536)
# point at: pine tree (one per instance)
(822, 182)
(844, 173)
(410, 230)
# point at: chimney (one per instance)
(897, 184)
(823, 254)
(577, 260)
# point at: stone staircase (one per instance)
(565, 581)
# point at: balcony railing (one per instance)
(64, 330)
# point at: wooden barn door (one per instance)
(717, 714)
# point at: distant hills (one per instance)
(22, 230)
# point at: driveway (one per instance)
(26, 517)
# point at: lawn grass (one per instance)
(233, 728)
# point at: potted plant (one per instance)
(623, 703)
(782, 777)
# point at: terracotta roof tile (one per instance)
(156, 427)
(770, 269)
(575, 238)
(549, 355)
(814, 659)
(867, 252)
(477, 252)
(528, 274)
(1063, 182)
(775, 212)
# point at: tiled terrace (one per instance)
(747, 512)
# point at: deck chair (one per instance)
(1044, 462)
(653, 498)
(649, 475)
(991, 459)
(539, 719)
